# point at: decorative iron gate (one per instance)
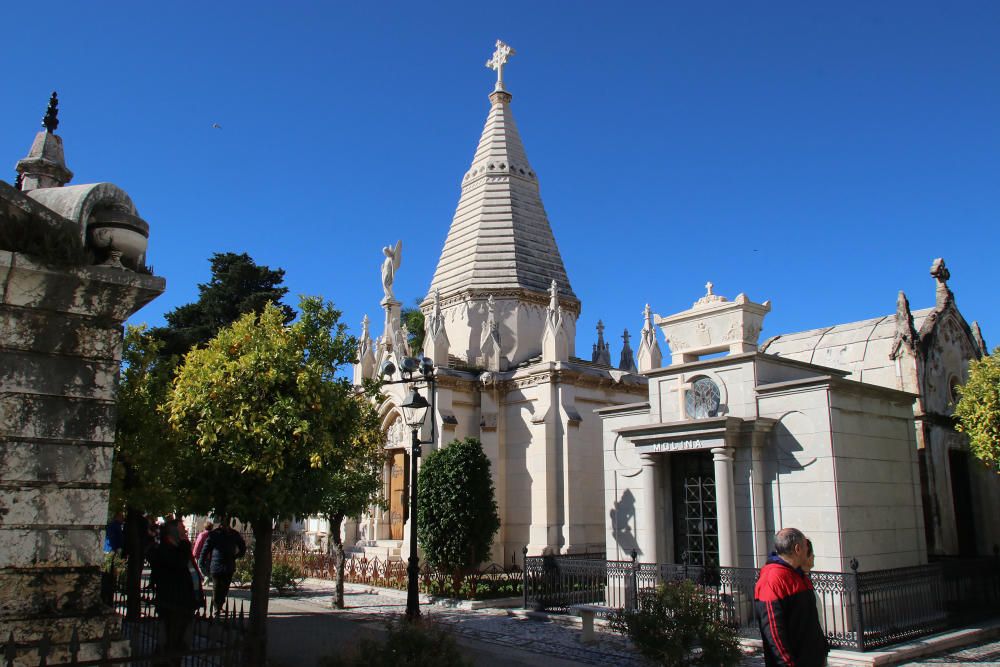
(696, 524)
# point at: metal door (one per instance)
(696, 525)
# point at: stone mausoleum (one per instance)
(72, 270)
(696, 454)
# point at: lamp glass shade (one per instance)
(415, 408)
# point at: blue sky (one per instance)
(820, 156)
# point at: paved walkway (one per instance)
(304, 627)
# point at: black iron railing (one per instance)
(858, 610)
(212, 640)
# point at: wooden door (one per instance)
(397, 495)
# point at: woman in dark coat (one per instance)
(176, 586)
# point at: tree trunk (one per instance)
(338, 554)
(260, 591)
(134, 540)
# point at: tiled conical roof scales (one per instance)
(500, 237)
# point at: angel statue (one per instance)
(393, 257)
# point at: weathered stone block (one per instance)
(49, 505)
(57, 333)
(56, 417)
(26, 372)
(51, 547)
(46, 592)
(60, 629)
(94, 291)
(54, 462)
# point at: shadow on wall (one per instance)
(622, 520)
(789, 453)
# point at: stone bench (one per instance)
(587, 612)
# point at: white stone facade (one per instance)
(789, 444)
(501, 328)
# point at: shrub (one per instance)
(285, 577)
(680, 626)
(243, 574)
(458, 514)
(420, 643)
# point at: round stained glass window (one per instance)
(702, 399)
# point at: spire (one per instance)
(627, 362)
(45, 165)
(500, 238)
(650, 356)
(602, 351)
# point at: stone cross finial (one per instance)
(940, 271)
(600, 330)
(647, 315)
(51, 120)
(941, 274)
(499, 59)
(627, 361)
(708, 288)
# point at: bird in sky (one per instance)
(216, 126)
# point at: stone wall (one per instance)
(60, 347)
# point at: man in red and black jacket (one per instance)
(785, 605)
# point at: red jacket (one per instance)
(785, 605)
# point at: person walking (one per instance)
(785, 606)
(218, 558)
(199, 542)
(114, 537)
(176, 589)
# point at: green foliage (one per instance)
(352, 486)
(146, 452)
(266, 415)
(457, 516)
(978, 409)
(413, 318)
(680, 626)
(243, 574)
(238, 286)
(420, 643)
(286, 577)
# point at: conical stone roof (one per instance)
(500, 238)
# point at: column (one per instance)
(647, 514)
(725, 505)
(758, 516)
(381, 522)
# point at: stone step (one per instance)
(383, 549)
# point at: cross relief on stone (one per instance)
(500, 56)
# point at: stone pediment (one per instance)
(714, 324)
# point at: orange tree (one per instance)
(978, 409)
(268, 419)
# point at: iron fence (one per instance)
(858, 610)
(211, 640)
(475, 583)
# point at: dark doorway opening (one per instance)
(961, 494)
(696, 525)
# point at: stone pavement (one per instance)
(304, 627)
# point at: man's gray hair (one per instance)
(786, 539)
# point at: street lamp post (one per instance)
(415, 412)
